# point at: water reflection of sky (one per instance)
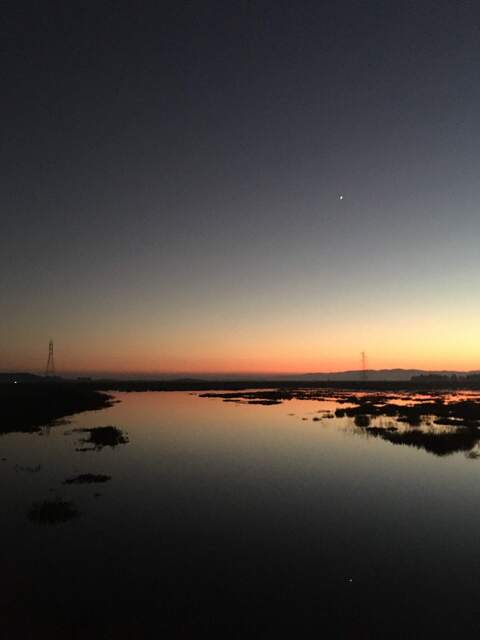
(211, 486)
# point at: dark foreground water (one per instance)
(238, 520)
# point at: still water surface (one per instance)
(238, 518)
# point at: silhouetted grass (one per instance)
(440, 444)
(266, 397)
(362, 420)
(463, 415)
(27, 407)
(100, 437)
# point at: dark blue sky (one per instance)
(171, 180)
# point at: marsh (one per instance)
(243, 518)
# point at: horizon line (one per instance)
(249, 374)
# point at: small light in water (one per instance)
(340, 197)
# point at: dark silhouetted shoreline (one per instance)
(27, 407)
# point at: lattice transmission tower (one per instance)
(50, 368)
(363, 356)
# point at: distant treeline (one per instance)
(470, 379)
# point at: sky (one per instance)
(172, 175)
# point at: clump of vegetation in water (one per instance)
(87, 478)
(52, 511)
(100, 437)
(440, 444)
(275, 396)
(362, 421)
(461, 414)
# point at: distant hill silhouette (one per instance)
(20, 377)
(372, 375)
(383, 374)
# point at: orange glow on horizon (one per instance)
(397, 341)
(231, 366)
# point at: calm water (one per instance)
(238, 518)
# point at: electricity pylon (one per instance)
(364, 365)
(50, 368)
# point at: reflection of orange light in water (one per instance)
(151, 408)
